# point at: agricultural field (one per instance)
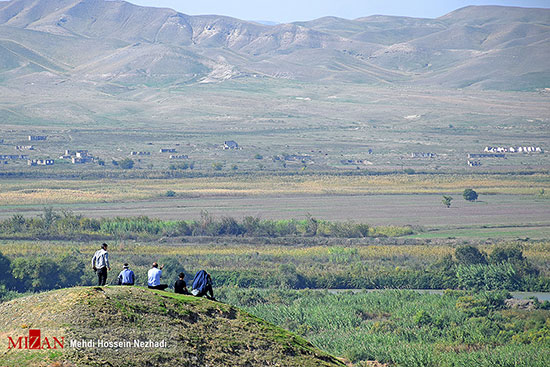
(509, 206)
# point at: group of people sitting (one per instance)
(202, 282)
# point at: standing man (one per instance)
(100, 264)
(126, 276)
(153, 277)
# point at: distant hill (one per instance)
(197, 332)
(487, 47)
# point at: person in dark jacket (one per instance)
(126, 276)
(180, 286)
(202, 285)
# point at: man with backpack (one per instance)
(100, 264)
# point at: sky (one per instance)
(284, 11)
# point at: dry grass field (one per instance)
(51, 191)
(509, 206)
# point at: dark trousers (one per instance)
(101, 276)
(160, 286)
(208, 292)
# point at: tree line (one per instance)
(65, 224)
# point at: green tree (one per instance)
(514, 256)
(470, 195)
(49, 217)
(35, 274)
(6, 278)
(470, 255)
(447, 200)
(70, 269)
(126, 163)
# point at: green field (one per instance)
(406, 328)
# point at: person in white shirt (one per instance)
(153, 277)
(100, 264)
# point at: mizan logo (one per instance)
(35, 341)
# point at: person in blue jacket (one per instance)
(202, 285)
(126, 276)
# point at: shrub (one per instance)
(126, 163)
(469, 195)
(447, 200)
(488, 277)
(469, 255)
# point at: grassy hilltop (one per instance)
(198, 332)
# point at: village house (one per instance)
(168, 150)
(354, 161)
(13, 156)
(230, 144)
(486, 155)
(40, 162)
(297, 158)
(37, 137)
(474, 163)
(184, 156)
(24, 147)
(78, 156)
(516, 149)
(423, 155)
(140, 153)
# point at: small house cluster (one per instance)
(486, 155)
(423, 155)
(24, 147)
(183, 156)
(13, 157)
(516, 149)
(37, 138)
(140, 153)
(40, 162)
(474, 163)
(168, 150)
(78, 156)
(354, 161)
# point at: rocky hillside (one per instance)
(171, 330)
(100, 42)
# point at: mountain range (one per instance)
(115, 42)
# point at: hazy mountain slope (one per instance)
(379, 29)
(487, 14)
(479, 46)
(197, 332)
